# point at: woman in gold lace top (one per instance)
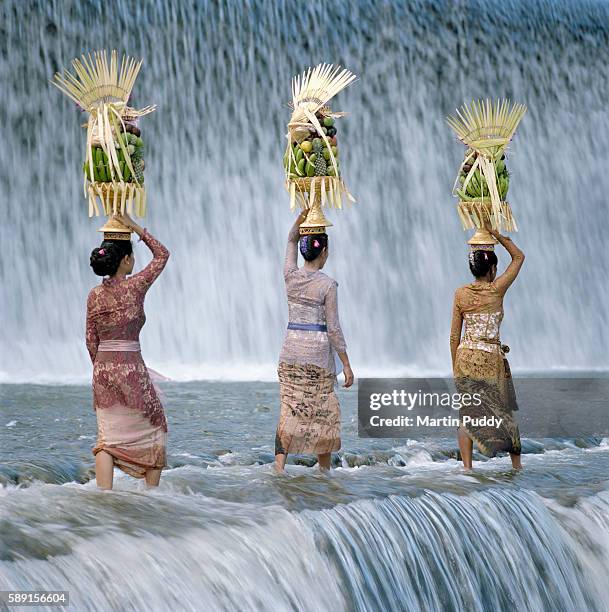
(309, 420)
(478, 357)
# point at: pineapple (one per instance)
(138, 167)
(320, 162)
(137, 159)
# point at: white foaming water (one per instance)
(495, 549)
(220, 77)
(233, 372)
(207, 555)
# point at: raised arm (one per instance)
(160, 255)
(335, 333)
(291, 252)
(455, 329)
(91, 335)
(503, 282)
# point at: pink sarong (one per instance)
(136, 440)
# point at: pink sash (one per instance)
(119, 345)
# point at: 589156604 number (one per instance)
(35, 598)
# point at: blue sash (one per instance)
(308, 326)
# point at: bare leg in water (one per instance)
(104, 470)
(152, 477)
(515, 461)
(324, 461)
(280, 459)
(466, 447)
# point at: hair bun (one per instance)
(481, 261)
(311, 245)
(106, 258)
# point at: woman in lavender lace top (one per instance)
(309, 420)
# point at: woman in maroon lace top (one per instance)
(132, 429)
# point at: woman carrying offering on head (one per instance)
(132, 429)
(309, 420)
(478, 357)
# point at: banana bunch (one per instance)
(134, 148)
(477, 187)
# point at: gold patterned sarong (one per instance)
(309, 420)
(488, 374)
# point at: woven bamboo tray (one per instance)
(116, 198)
(479, 213)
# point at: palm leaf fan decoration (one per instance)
(311, 92)
(102, 86)
(314, 88)
(486, 127)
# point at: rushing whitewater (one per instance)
(220, 74)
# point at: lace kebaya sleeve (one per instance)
(335, 333)
(455, 328)
(291, 252)
(91, 335)
(151, 272)
(503, 282)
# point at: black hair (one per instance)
(311, 245)
(106, 258)
(481, 261)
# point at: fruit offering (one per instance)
(474, 186)
(129, 148)
(311, 158)
(312, 155)
(486, 128)
(101, 85)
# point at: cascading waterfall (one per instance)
(496, 550)
(220, 74)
